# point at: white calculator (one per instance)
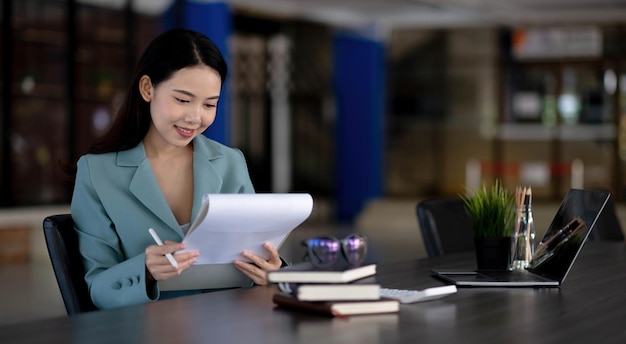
(411, 296)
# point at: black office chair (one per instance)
(445, 226)
(62, 242)
(608, 227)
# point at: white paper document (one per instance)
(229, 224)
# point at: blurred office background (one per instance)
(368, 105)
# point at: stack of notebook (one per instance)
(336, 291)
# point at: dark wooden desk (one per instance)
(589, 308)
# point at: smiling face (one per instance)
(181, 107)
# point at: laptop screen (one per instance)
(570, 227)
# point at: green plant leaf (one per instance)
(491, 211)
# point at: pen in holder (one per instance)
(524, 233)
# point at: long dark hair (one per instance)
(169, 52)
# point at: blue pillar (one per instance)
(213, 19)
(359, 73)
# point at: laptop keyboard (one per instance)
(512, 276)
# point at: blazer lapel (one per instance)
(206, 177)
(145, 188)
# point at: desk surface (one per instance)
(590, 307)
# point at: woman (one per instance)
(151, 169)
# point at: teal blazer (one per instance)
(116, 199)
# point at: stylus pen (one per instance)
(160, 243)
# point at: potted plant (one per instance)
(492, 214)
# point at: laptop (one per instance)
(554, 255)
(207, 276)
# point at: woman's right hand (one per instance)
(160, 267)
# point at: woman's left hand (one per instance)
(258, 267)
